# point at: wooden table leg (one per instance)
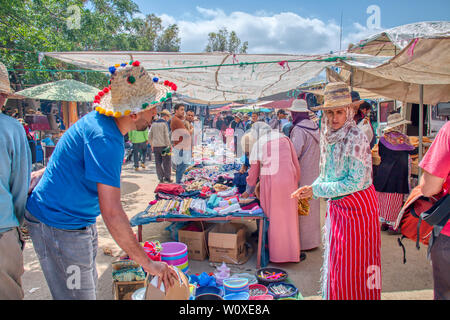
(139, 233)
(260, 236)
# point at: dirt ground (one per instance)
(410, 281)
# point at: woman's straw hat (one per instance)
(131, 90)
(395, 120)
(299, 105)
(337, 95)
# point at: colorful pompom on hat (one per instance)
(131, 90)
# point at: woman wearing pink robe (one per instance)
(274, 162)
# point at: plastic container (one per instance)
(235, 285)
(173, 249)
(263, 297)
(279, 296)
(237, 296)
(265, 281)
(258, 286)
(208, 289)
(251, 277)
(208, 296)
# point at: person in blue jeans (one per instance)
(82, 181)
(181, 152)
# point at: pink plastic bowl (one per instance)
(173, 249)
(258, 286)
(264, 297)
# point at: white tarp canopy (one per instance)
(213, 77)
(391, 41)
(423, 62)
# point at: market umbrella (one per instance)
(280, 104)
(62, 90)
(227, 107)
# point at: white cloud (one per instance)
(284, 32)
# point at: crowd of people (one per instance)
(292, 156)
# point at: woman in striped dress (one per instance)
(352, 263)
(392, 178)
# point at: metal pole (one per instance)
(420, 126)
(378, 118)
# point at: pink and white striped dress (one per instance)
(353, 259)
(352, 264)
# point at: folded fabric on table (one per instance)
(213, 201)
(225, 203)
(228, 209)
(170, 188)
(190, 194)
(227, 193)
(198, 205)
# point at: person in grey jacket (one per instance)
(159, 139)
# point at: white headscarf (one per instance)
(262, 133)
(349, 140)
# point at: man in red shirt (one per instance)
(435, 181)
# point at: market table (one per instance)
(138, 220)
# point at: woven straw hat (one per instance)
(299, 105)
(131, 90)
(5, 86)
(337, 95)
(165, 112)
(395, 120)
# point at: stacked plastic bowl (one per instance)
(236, 289)
(175, 254)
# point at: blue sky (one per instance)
(284, 26)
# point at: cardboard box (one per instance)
(179, 291)
(227, 243)
(123, 290)
(197, 242)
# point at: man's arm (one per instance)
(430, 184)
(119, 226)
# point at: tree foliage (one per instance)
(223, 41)
(28, 27)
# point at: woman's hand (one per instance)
(245, 195)
(304, 192)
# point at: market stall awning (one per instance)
(62, 90)
(391, 41)
(227, 107)
(279, 104)
(213, 76)
(423, 62)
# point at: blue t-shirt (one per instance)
(90, 152)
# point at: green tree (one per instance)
(222, 41)
(28, 27)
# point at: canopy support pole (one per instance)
(420, 126)
(378, 118)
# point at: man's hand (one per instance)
(304, 192)
(118, 225)
(163, 271)
(35, 178)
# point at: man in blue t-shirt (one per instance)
(82, 181)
